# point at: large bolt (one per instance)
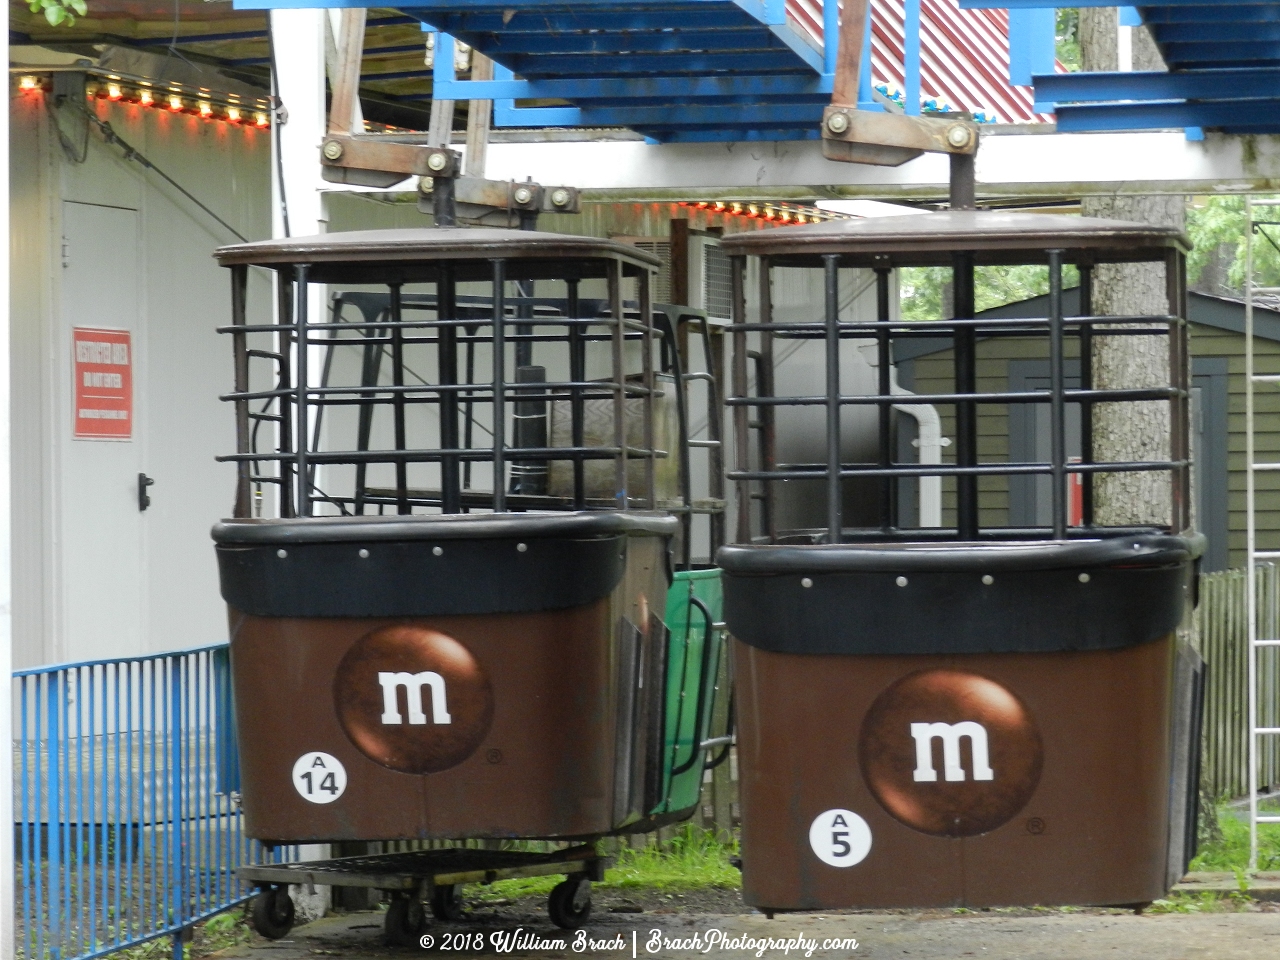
(332, 150)
(523, 194)
(958, 135)
(838, 122)
(560, 197)
(437, 162)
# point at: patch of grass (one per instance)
(1204, 902)
(1232, 852)
(221, 932)
(693, 859)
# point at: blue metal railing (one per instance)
(126, 817)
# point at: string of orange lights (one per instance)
(171, 97)
(779, 213)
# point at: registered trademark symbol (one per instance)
(1035, 826)
(494, 756)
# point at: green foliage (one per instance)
(1201, 903)
(1215, 221)
(1067, 45)
(59, 11)
(1233, 852)
(691, 860)
(922, 287)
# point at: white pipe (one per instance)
(1124, 48)
(929, 441)
(7, 915)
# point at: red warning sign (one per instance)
(103, 368)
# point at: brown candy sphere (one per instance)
(413, 699)
(965, 709)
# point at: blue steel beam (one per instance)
(1226, 13)
(1242, 83)
(680, 69)
(1031, 44)
(1041, 4)
(668, 88)
(554, 21)
(1237, 31)
(1210, 50)
(692, 116)
(621, 44)
(723, 136)
(1163, 116)
(587, 66)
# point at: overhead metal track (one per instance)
(1224, 68)
(671, 70)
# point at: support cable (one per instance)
(132, 153)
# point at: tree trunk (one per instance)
(1130, 431)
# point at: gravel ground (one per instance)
(714, 923)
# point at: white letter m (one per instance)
(413, 684)
(950, 734)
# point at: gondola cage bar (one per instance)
(289, 399)
(754, 403)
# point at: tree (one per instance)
(1133, 431)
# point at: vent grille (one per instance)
(717, 283)
(661, 249)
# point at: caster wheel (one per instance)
(570, 903)
(447, 903)
(405, 922)
(273, 912)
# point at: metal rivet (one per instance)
(958, 135)
(282, 553)
(838, 123)
(437, 550)
(521, 547)
(988, 579)
(1084, 578)
(437, 162)
(332, 150)
(559, 197)
(364, 554)
(523, 195)
(901, 581)
(806, 582)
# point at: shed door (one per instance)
(1031, 438)
(100, 548)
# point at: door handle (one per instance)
(144, 499)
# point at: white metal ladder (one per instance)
(1257, 643)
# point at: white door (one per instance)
(100, 563)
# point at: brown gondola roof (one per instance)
(429, 244)
(994, 236)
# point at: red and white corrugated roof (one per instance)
(964, 54)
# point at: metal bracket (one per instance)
(891, 139)
(376, 161)
(477, 197)
(885, 139)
